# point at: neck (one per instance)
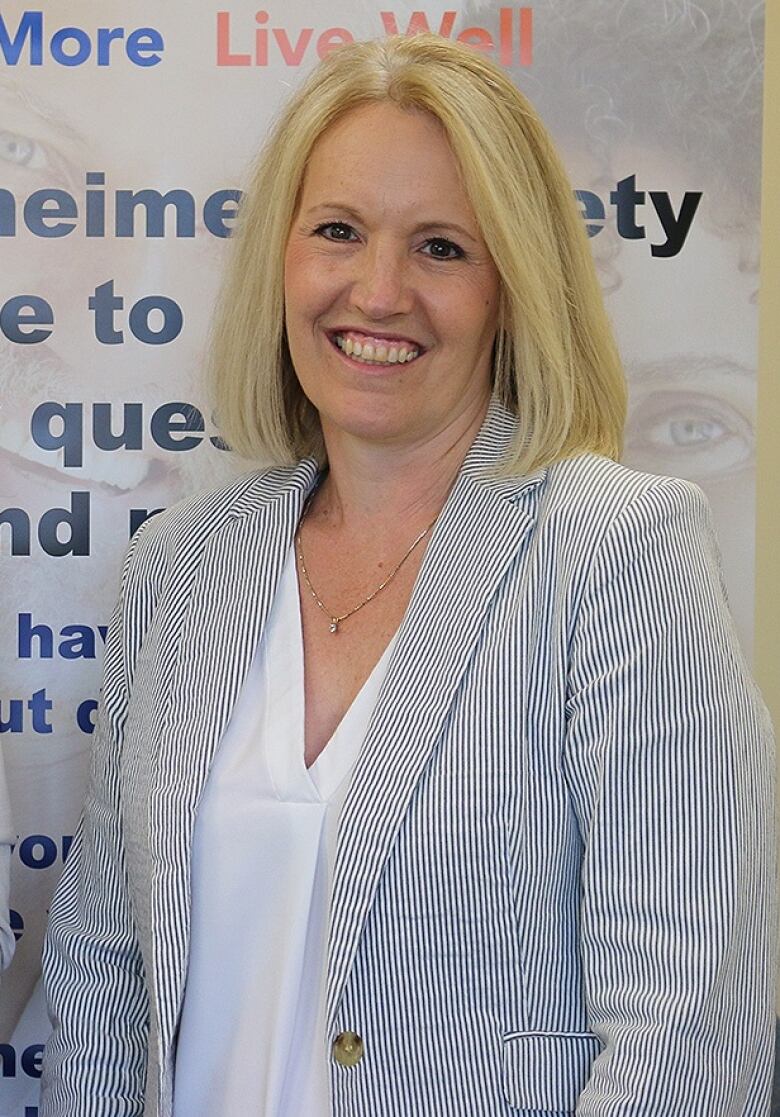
(371, 486)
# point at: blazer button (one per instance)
(348, 1049)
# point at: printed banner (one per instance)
(125, 139)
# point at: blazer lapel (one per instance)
(482, 527)
(232, 591)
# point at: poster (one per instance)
(125, 139)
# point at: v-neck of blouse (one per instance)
(283, 701)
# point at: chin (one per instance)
(368, 420)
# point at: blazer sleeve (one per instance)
(669, 758)
(95, 1060)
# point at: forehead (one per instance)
(382, 155)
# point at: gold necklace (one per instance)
(334, 619)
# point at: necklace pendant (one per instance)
(334, 625)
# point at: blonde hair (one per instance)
(555, 361)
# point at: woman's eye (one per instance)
(22, 151)
(441, 249)
(336, 230)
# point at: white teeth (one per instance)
(380, 354)
(122, 473)
(125, 473)
(31, 452)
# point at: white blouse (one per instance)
(252, 1033)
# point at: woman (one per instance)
(429, 778)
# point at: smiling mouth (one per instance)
(25, 377)
(376, 350)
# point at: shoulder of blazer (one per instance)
(185, 527)
(590, 506)
(593, 490)
(168, 547)
(585, 488)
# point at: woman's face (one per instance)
(391, 295)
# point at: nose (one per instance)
(382, 285)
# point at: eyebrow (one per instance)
(348, 211)
(12, 91)
(696, 365)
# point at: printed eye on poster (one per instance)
(125, 144)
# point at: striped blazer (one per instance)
(554, 868)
